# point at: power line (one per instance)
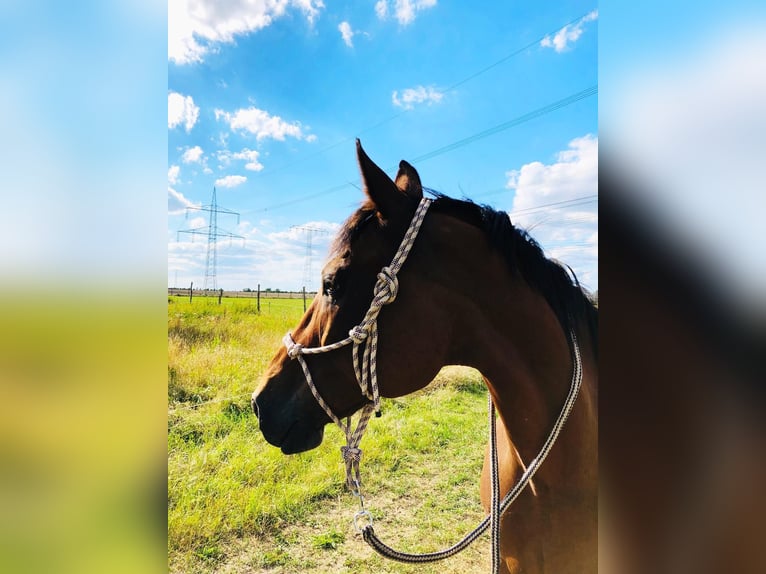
(516, 52)
(565, 202)
(450, 88)
(569, 100)
(306, 197)
(544, 206)
(511, 123)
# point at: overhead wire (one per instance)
(569, 100)
(449, 88)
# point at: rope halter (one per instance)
(365, 335)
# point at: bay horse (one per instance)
(475, 291)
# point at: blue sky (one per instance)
(265, 100)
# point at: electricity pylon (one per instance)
(310, 231)
(213, 232)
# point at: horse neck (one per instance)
(524, 355)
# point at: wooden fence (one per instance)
(184, 292)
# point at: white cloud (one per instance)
(197, 222)
(192, 155)
(248, 155)
(251, 157)
(569, 33)
(173, 172)
(195, 27)
(181, 110)
(381, 9)
(555, 203)
(310, 8)
(404, 10)
(417, 95)
(347, 33)
(230, 181)
(261, 124)
(177, 203)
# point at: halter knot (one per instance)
(358, 334)
(386, 287)
(293, 349)
(351, 454)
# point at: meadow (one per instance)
(237, 504)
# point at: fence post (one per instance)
(259, 297)
(190, 291)
(220, 294)
(304, 298)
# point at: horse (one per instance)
(475, 291)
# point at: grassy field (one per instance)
(237, 504)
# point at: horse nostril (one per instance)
(254, 405)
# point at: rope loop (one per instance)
(358, 334)
(387, 286)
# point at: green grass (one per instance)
(329, 540)
(237, 504)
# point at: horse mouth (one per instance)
(298, 438)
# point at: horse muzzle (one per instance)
(282, 428)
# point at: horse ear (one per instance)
(408, 181)
(381, 190)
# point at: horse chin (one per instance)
(302, 440)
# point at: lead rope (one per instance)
(369, 534)
(366, 333)
(494, 505)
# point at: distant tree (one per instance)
(247, 290)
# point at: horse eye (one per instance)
(332, 285)
(327, 286)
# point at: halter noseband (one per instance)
(365, 333)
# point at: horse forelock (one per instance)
(350, 229)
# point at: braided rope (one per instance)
(364, 334)
(369, 534)
(371, 538)
(494, 505)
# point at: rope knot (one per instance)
(358, 334)
(386, 287)
(351, 454)
(293, 349)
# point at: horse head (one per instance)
(413, 331)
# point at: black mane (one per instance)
(557, 284)
(524, 256)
